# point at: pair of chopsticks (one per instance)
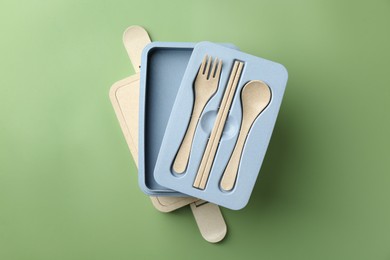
(215, 137)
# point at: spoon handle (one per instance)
(230, 173)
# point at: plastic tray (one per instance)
(255, 68)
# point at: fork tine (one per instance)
(207, 70)
(201, 69)
(213, 68)
(218, 72)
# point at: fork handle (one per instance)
(183, 154)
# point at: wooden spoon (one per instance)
(255, 97)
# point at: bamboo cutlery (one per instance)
(255, 97)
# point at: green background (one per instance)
(68, 186)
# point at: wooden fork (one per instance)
(206, 84)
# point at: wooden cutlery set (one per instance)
(256, 95)
(206, 114)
